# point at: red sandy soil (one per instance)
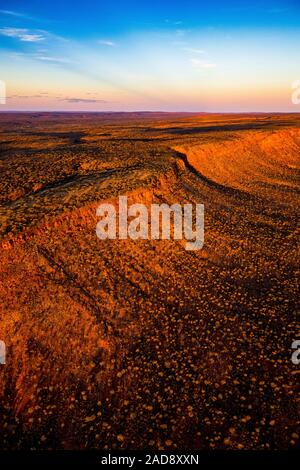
(141, 344)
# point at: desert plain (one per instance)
(140, 344)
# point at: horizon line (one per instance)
(144, 112)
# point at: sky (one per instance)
(158, 55)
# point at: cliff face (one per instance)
(141, 344)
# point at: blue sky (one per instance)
(133, 55)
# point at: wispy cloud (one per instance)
(175, 23)
(82, 100)
(25, 96)
(201, 64)
(41, 55)
(107, 42)
(45, 95)
(59, 60)
(193, 50)
(19, 96)
(16, 14)
(23, 34)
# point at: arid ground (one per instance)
(137, 344)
